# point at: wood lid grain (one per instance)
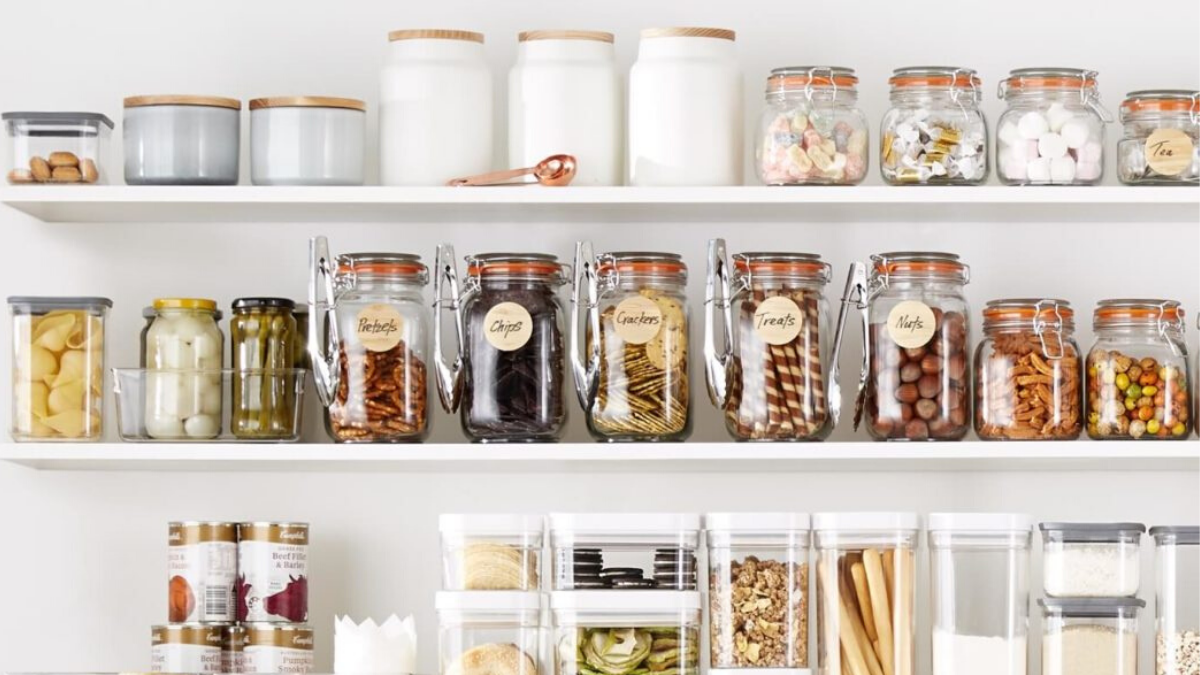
(718, 33)
(307, 102)
(435, 34)
(596, 35)
(179, 99)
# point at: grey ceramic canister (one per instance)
(182, 140)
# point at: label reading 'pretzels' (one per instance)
(508, 326)
(379, 327)
(778, 320)
(637, 319)
(911, 324)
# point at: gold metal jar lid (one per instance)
(182, 99)
(435, 34)
(307, 102)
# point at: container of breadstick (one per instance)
(629, 345)
(866, 572)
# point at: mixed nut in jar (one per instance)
(184, 351)
(1161, 145)
(812, 131)
(634, 384)
(266, 386)
(935, 132)
(1137, 371)
(1028, 376)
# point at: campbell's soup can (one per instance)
(201, 572)
(272, 584)
(232, 660)
(188, 648)
(277, 648)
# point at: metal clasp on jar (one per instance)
(717, 294)
(585, 290)
(323, 334)
(1041, 327)
(1173, 332)
(450, 376)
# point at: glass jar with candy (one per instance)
(1161, 145)
(934, 133)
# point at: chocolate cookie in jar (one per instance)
(1137, 372)
(812, 131)
(1161, 145)
(367, 341)
(507, 378)
(1028, 374)
(935, 132)
(634, 385)
(916, 374)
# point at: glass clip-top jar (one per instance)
(1161, 145)
(934, 133)
(634, 385)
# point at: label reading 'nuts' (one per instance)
(638, 319)
(379, 327)
(508, 326)
(911, 324)
(778, 320)
(1169, 151)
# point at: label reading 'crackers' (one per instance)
(508, 326)
(637, 319)
(911, 324)
(778, 320)
(1169, 151)
(379, 327)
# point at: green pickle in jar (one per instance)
(264, 339)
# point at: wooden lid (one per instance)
(307, 102)
(435, 34)
(178, 99)
(718, 33)
(596, 35)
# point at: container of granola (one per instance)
(617, 633)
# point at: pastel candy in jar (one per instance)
(811, 132)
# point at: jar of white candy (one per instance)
(184, 349)
(1162, 138)
(934, 133)
(812, 131)
(1053, 130)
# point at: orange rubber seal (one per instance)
(1140, 313)
(919, 267)
(785, 82)
(1182, 105)
(383, 269)
(1016, 313)
(1056, 82)
(797, 267)
(515, 268)
(934, 81)
(643, 267)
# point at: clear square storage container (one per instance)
(1177, 600)
(866, 576)
(1161, 143)
(979, 565)
(625, 551)
(62, 148)
(1090, 636)
(758, 574)
(489, 632)
(1091, 560)
(614, 633)
(491, 552)
(182, 140)
(58, 368)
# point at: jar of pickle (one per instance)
(1052, 132)
(184, 352)
(1028, 377)
(812, 131)
(1137, 371)
(266, 385)
(634, 384)
(935, 132)
(915, 366)
(1161, 145)
(367, 341)
(769, 374)
(507, 378)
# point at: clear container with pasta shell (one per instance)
(484, 632)
(490, 551)
(1161, 143)
(617, 633)
(1028, 373)
(634, 384)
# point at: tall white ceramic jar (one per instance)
(435, 108)
(685, 109)
(564, 97)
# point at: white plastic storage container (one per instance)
(490, 552)
(979, 564)
(626, 551)
(685, 109)
(182, 140)
(564, 97)
(613, 633)
(489, 632)
(56, 147)
(435, 108)
(1177, 600)
(758, 591)
(1091, 560)
(1090, 636)
(307, 140)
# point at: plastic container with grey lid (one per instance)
(62, 148)
(307, 140)
(1091, 560)
(1090, 636)
(1177, 614)
(182, 140)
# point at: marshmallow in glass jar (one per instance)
(184, 349)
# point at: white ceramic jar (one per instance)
(182, 140)
(435, 108)
(564, 97)
(685, 109)
(307, 140)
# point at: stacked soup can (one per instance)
(237, 600)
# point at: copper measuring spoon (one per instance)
(554, 171)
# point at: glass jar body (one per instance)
(468, 637)
(184, 350)
(1028, 386)
(1154, 147)
(1177, 633)
(1050, 137)
(1137, 386)
(817, 140)
(929, 137)
(263, 342)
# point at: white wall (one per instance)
(82, 554)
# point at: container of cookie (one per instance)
(56, 148)
(490, 551)
(614, 633)
(624, 551)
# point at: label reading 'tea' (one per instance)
(778, 320)
(508, 326)
(1169, 151)
(638, 319)
(911, 324)
(378, 327)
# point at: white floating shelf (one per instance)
(612, 458)
(118, 203)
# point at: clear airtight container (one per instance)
(979, 564)
(490, 552)
(1090, 636)
(63, 148)
(1161, 145)
(485, 632)
(1091, 560)
(866, 611)
(758, 590)
(626, 551)
(1177, 600)
(617, 633)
